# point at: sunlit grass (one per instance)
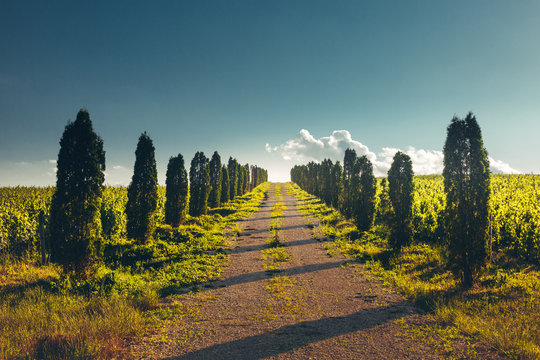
(273, 256)
(46, 315)
(285, 300)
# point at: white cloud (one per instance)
(500, 167)
(304, 148)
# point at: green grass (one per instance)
(273, 256)
(502, 311)
(277, 218)
(47, 315)
(285, 300)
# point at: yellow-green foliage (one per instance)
(274, 255)
(515, 204)
(44, 314)
(40, 324)
(504, 310)
(514, 209)
(284, 300)
(19, 212)
(428, 205)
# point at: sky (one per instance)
(272, 83)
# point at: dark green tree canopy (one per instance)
(326, 183)
(467, 186)
(337, 172)
(384, 214)
(142, 192)
(348, 163)
(240, 181)
(199, 185)
(246, 184)
(176, 191)
(363, 187)
(224, 184)
(347, 195)
(400, 181)
(214, 198)
(232, 166)
(75, 226)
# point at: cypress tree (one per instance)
(253, 177)
(199, 185)
(467, 186)
(232, 166)
(400, 182)
(75, 225)
(337, 172)
(224, 184)
(214, 198)
(246, 178)
(326, 180)
(384, 214)
(347, 193)
(363, 190)
(176, 191)
(240, 183)
(142, 192)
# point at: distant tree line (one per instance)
(75, 226)
(352, 190)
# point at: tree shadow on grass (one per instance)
(288, 338)
(17, 292)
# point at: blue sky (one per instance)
(234, 76)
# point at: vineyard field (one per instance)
(514, 215)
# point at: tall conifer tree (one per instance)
(347, 194)
(337, 172)
(214, 198)
(75, 225)
(199, 185)
(363, 189)
(467, 186)
(326, 181)
(232, 166)
(142, 192)
(384, 215)
(224, 184)
(176, 191)
(400, 181)
(240, 182)
(246, 178)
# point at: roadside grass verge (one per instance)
(47, 315)
(503, 311)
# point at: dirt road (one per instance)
(312, 306)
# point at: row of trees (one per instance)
(352, 188)
(75, 226)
